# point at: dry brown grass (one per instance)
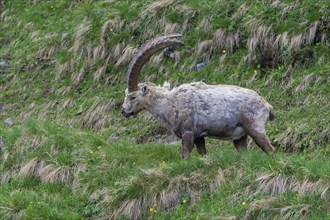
(4, 15)
(226, 40)
(305, 83)
(38, 169)
(263, 204)
(80, 33)
(99, 73)
(272, 205)
(167, 198)
(133, 209)
(47, 53)
(285, 7)
(274, 184)
(217, 182)
(102, 196)
(64, 68)
(205, 25)
(51, 174)
(110, 26)
(203, 48)
(97, 116)
(27, 143)
(172, 28)
(226, 218)
(298, 212)
(117, 50)
(32, 168)
(158, 5)
(79, 76)
(126, 55)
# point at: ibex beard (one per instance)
(197, 110)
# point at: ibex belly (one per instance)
(217, 113)
(218, 127)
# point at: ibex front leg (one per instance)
(200, 144)
(187, 144)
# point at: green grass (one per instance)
(71, 155)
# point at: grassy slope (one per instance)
(70, 155)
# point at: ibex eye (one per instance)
(132, 98)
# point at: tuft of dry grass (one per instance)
(226, 40)
(118, 50)
(47, 54)
(167, 198)
(51, 174)
(157, 5)
(79, 76)
(226, 218)
(257, 209)
(80, 33)
(97, 116)
(4, 15)
(64, 68)
(217, 182)
(126, 56)
(263, 204)
(133, 209)
(102, 196)
(284, 7)
(172, 28)
(99, 73)
(305, 83)
(203, 48)
(32, 168)
(274, 184)
(111, 26)
(205, 25)
(298, 212)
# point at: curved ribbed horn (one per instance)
(143, 55)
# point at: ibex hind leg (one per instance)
(200, 145)
(254, 125)
(187, 144)
(241, 144)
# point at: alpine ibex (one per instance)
(197, 110)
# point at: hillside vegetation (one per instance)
(67, 153)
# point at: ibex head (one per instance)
(136, 92)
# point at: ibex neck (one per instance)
(158, 105)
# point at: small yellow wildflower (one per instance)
(110, 29)
(224, 51)
(184, 201)
(255, 71)
(243, 203)
(162, 165)
(151, 209)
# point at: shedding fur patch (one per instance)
(167, 85)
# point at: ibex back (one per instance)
(197, 110)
